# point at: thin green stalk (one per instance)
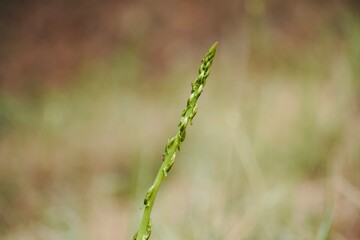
(173, 144)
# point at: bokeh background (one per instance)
(90, 91)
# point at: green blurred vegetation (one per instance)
(273, 153)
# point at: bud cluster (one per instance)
(173, 144)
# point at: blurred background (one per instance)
(90, 91)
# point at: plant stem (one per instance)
(174, 143)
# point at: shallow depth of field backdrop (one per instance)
(90, 91)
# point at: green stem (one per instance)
(174, 143)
